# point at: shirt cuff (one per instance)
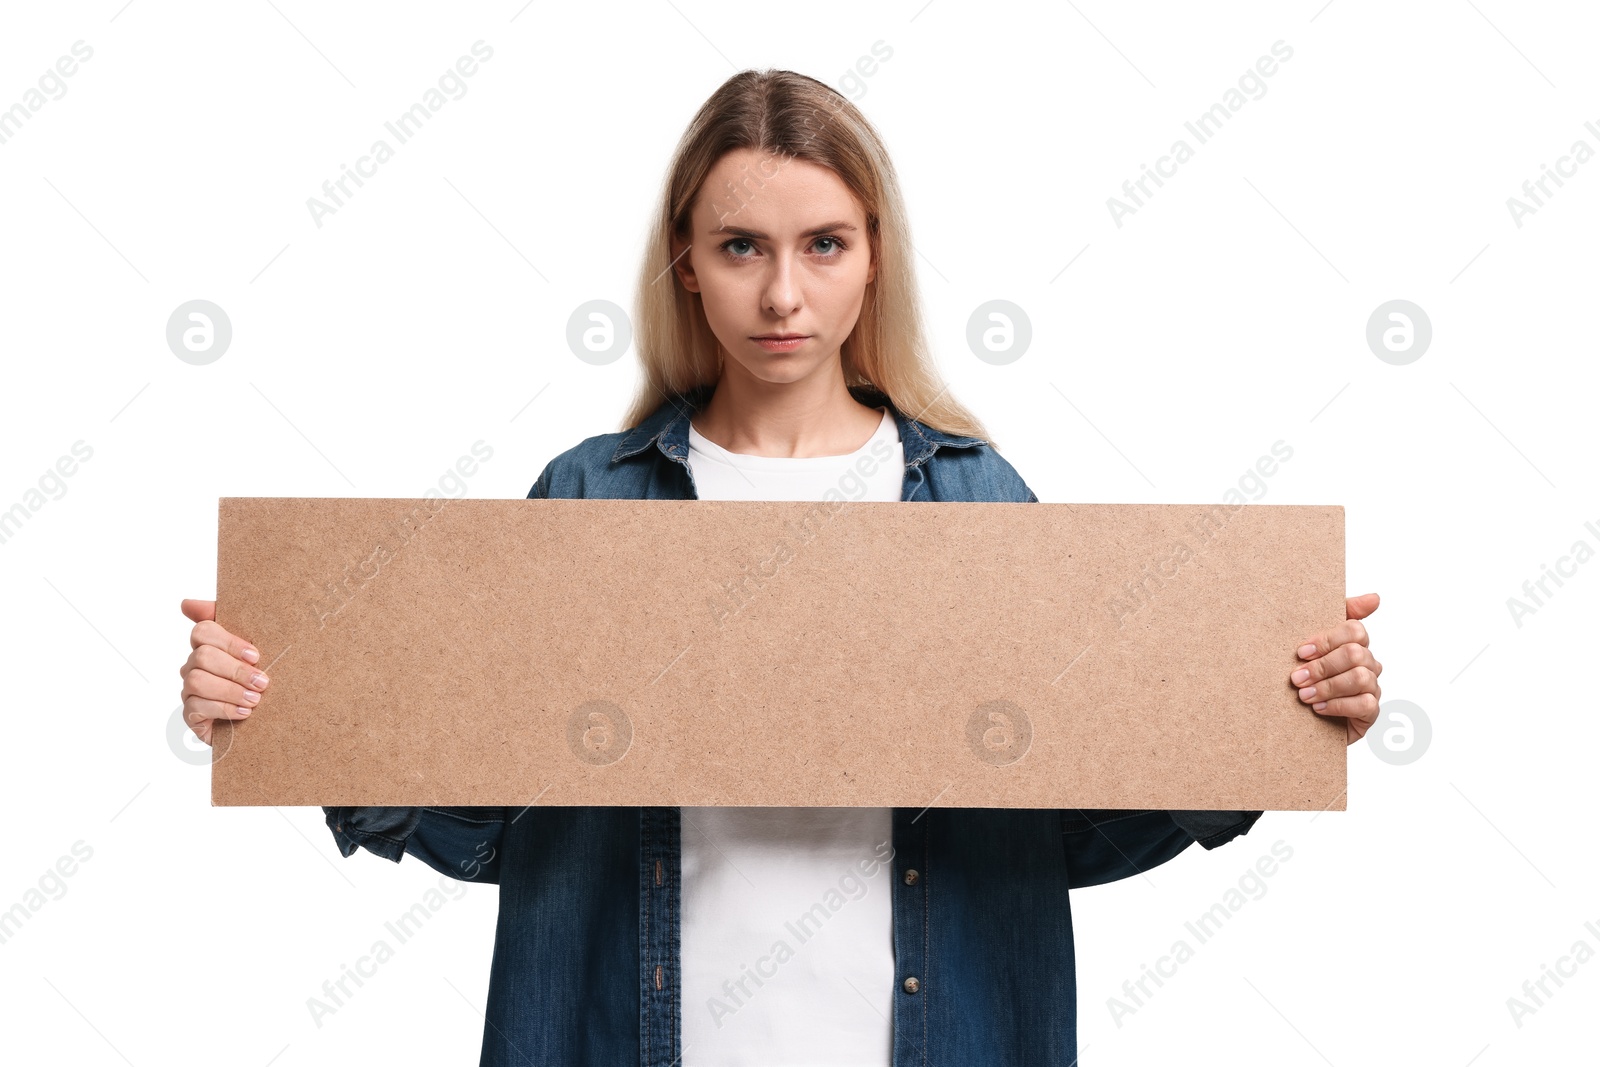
(381, 831)
(1213, 828)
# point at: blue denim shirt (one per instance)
(585, 967)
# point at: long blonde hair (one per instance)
(793, 116)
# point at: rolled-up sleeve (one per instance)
(463, 843)
(381, 831)
(1213, 828)
(1106, 845)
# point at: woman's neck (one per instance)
(786, 419)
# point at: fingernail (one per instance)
(1299, 677)
(1319, 705)
(259, 680)
(252, 698)
(1308, 692)
(1307, 651)
(251, 655)
(244, 711)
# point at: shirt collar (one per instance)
(668, 426)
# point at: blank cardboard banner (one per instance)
(908, 654)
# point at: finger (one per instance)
(202, 715)
(1351, 630)
(1347, 683)
(221, 698)
(199, 610)
(1359, 607)
(202, 730)
(208, 632)
(1338, 661)
(208, 659)
(198, 712)
(1362, 706)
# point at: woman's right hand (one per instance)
(220, 679)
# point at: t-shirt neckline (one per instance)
(698, 442)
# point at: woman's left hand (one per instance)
(1342, 677)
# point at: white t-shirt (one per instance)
(787, 943)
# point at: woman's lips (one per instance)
(787, 344)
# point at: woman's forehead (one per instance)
(773, 194)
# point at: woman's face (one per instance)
(777, 246)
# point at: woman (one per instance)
(783, 358)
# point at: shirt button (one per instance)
(911, 876)
(911, 985)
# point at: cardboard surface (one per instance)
(912, 654)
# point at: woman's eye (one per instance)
(733, 248)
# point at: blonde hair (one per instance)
(792, 116)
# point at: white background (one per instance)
(430, 312)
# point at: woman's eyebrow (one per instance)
(739, 231)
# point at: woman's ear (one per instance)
(681, 264)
